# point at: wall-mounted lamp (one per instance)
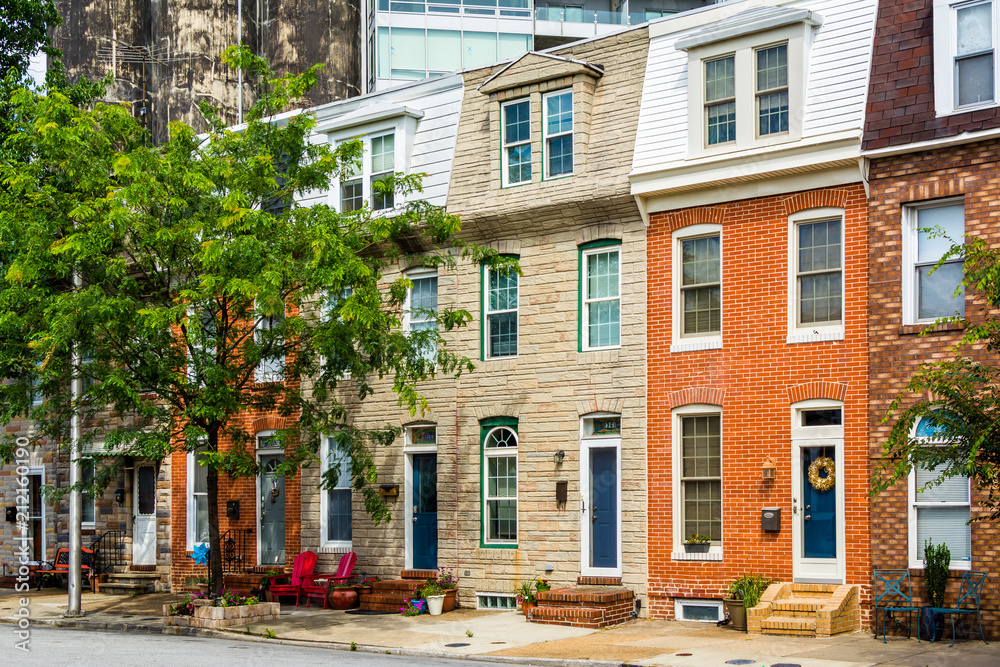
(388, 490)
(558, 457)
(767, 470)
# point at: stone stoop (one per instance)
(130, 583)
(595, 602)
(390, 595)
(242, 582)
(806, 610)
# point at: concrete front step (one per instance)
(789, 625)
(115, 588)
(809, 610)
(798, 607)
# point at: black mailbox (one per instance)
(562, 492)
(233, 509)
(770, 519)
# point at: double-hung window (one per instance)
(601, 297)
(557, 122)
(500, 485)
(772, 90)
(383, 150)
(88, 502)
(517, 142)
(931, 291)
(701, 289)
(500, 297)
(700, 475)
(337, 518)
(272, 366)
(965, 71)
(352, 189)
(421, 308)
(720, 100)
(939, 513)
(819, 273)
(197, 513)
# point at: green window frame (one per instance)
(600, 295)
(500, 323)
(498, 501)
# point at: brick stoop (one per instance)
(584, 606)
(806, 610)
(391, 595)
(130, 583)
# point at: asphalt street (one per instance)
(49, 647)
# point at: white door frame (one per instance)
(586, 444)
(408, 452)
(272, 451)
(40, 472)
(135, 513)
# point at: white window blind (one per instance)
(943, 513)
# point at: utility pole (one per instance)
(239, 71)
(73, 608)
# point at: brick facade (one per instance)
(969, 171)
(755, 377)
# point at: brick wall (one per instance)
(901, 89)
(896, 350)
(755, 377)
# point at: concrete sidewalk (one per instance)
(506, 636)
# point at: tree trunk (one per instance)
(215, 545)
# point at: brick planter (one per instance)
(224, 617)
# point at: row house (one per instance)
(931, 140)
(748, 175)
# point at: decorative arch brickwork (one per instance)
(834, 391)
(498, 410)
(599, 404)
(831, 197)
(605, 230)
(707, 395)
(931, 189)
(268, 423)
(695, 216)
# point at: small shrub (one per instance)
(937, 559)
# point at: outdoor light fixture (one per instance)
(558, 457)
(767, 470)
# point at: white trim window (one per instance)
(720, 100)
(940, 513)
(929, 292)
(816, 275)
(383, 151)
(197, 499)
(336, 511)
(772, 89)
(516, 142)
(557, 125)
(699, 611)
(352, 189)
(697, 444)
(270, 369)
(88, 504)
(420, 313)
(601, 286)
(698, 276)
(199, 339)
(965, 70)
(500, 298)
(356, 184)
(500, 485)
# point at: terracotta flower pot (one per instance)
(343, 598)
(526, 607)
(450, 599)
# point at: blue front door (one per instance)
(819, 509)
(603, 507)
(425, 520)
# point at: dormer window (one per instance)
(558, 123)
(772, 90)
(517, 142)
(720, 100)
(965, 73)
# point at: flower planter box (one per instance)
(450, 599)
(696, 548)
(223, 617)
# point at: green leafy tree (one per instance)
(24, 31)
(205, 291)
(958, 397)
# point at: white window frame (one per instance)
(916, 550)
(487, 314)
(588, 441)
(681, 603)
(505, 452)
(546, 137)
(409, 449)
(402, 127)
(910, 241)
(586, 301)
(324, 500)
(945, 47)
(744, 50)
(680, 341)
(86, 499)
(408, 318)
(677, 443)
(270, 370)
(42, 513)
(811, 333)
(192, 503)
(373, 176)
(507, 146)
(194, 314)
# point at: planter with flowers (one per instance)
(342, 596)
(697, 544)
(526, 593)
(365, 586)
(199, 611)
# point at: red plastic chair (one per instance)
(302, 569)
(345, 568)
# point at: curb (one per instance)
(71, 624)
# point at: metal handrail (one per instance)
(234, 544)
(109, 551)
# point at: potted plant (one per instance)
(542, 585)
(937, 560)
(432, 593)
(744, 593)
(364, 587)
(448, 583)
(697, 544)
(342, 596)
(525, 591)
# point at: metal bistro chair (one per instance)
(894, 595)
(971, 594)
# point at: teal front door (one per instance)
(425, 533)
(604, 507)
(819, 508)
(272, 512)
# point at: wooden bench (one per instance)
(60, 567)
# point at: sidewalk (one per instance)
(504, 636)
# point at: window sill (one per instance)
(814, 337)
(929, 328)
(954, 570)
(715, 556)
(695, 345)
(334, 549)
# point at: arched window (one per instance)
(500, 485)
